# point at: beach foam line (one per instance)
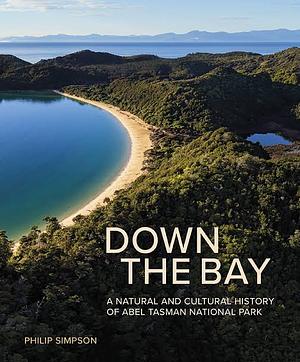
(139, 133)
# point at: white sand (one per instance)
(139, 133)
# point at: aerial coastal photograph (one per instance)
(149, 181)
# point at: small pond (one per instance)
(269, 139)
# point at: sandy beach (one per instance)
(139, 133)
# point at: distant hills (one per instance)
(10, 62)
(279, 35)
(88, 67)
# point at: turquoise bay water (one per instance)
(268, 139)
(56, 154)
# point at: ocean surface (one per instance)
(55, 155)
(33, 52)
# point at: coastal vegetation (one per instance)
(221, 97)
(87, 67)
(201, 171)
(10, 63)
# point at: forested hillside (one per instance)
(202, 172)
(221, 97)
(10, 63)
(88, 67)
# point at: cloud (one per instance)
(75, 6)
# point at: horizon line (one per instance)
(150, 35)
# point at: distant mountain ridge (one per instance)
(278, 35)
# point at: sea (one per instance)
(34, 52)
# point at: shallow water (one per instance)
(56, 154)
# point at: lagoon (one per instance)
(56, 154)
(268, 139)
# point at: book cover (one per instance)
(149, 181)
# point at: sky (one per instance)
(124, 17)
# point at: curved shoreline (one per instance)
(139, 133)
